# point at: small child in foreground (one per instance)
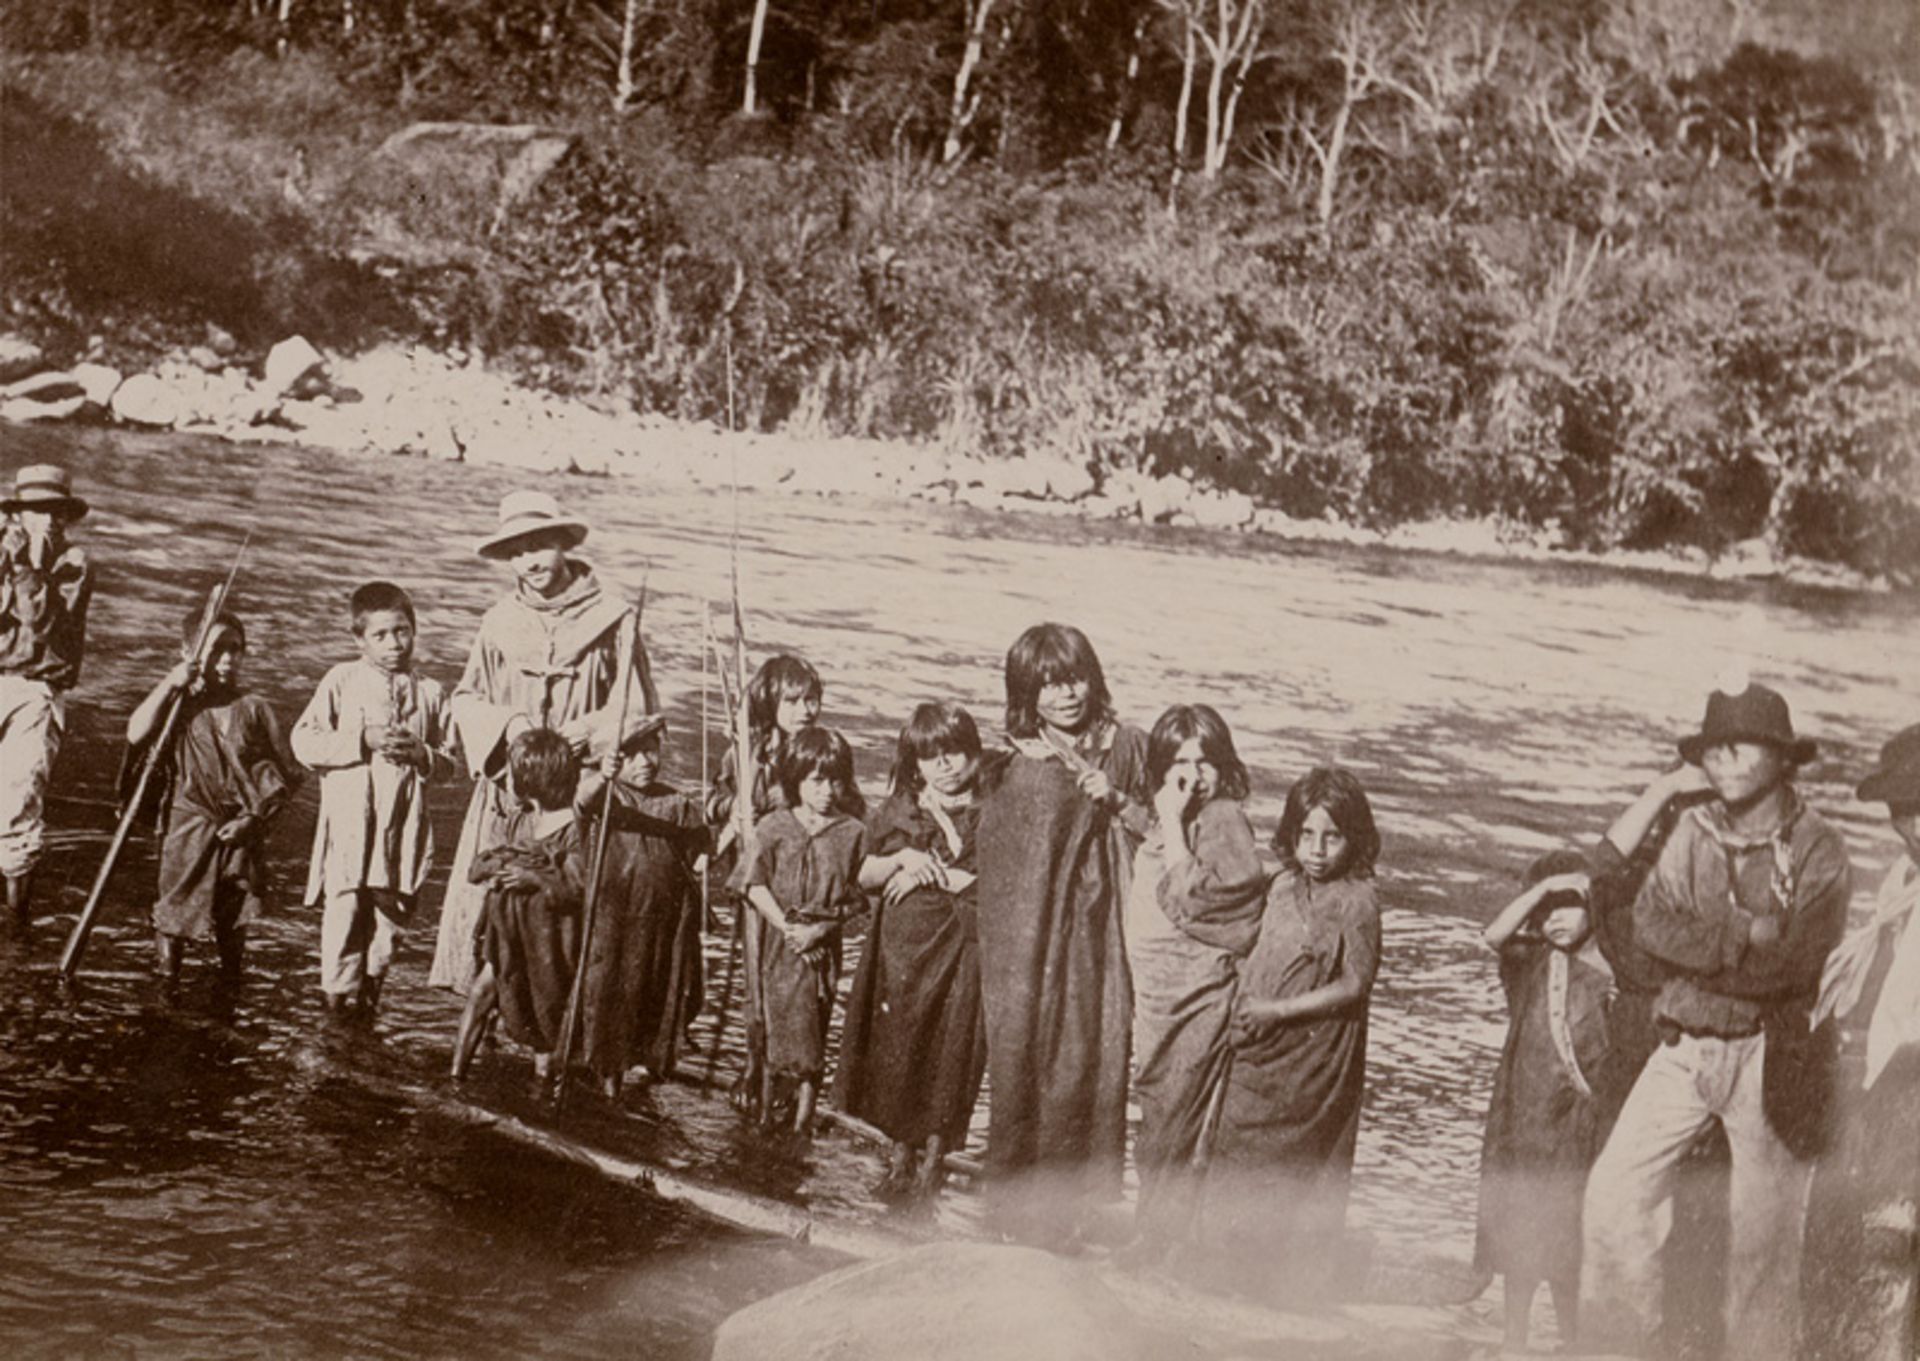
(1545, 1122)
(804, 880)
(374, 730)
(228, 774)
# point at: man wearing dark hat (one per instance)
(1747, 899)
(546, 656)
(45, 584)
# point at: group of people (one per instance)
(1080, 915)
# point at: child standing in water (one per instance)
(1545, 1122)
(1283, 1158)
(646, 927)
(1057, 835)
(804, 881)
(228, 774)
(913, 1051)
(375, 730)
(783, 699)
(529, 941)
(1194, 913)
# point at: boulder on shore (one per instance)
(943, 1302)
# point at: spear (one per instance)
(83, 928)
(629, 645)
(735, 942)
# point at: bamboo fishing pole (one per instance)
(629, 645)
(83, 928)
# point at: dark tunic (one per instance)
(1543, 1131)
(1282, 1160)
(1054, 868)
(815, 877)
(646, 933)
(229, 758)
(531, 937)
(914, 1046)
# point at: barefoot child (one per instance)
(646, 929)
(228, 774)
(1193, 914)
(804, 880)
(914, 1050)
(375, 730)
(1545, 1120)
(1283, 1159)
(783, 699)
(45, 585)
(1057, 835)
(529, 941)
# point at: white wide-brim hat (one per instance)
(523, 513)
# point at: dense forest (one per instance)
(1620, 273)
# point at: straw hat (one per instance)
(524, 513)
(1896, 779)
(44, 487)
(1754, 713)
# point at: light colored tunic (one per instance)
(373, 831)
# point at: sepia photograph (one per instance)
(1090, 680)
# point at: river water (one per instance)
(225, 1176)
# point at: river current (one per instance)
(223, 1175)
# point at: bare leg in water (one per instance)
(482, 999)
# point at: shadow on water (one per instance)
(225, 1175)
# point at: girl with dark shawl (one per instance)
(1056, 848)
(1283, 1157)
(636, 1002)
(804, 880)
(914, 1046)
(783, 699)
(1192, 916)
(227, 774)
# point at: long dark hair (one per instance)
(1046, 654)
(783, 676)
(821, 751)
(1180, 725)
(1339, 792)
(937, 728)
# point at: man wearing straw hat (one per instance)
(45, 584)
(546, 656)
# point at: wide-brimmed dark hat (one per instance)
(43, 486)
(1897, 778)
(526, 513)
(1753, 714)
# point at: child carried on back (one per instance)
(529, 940)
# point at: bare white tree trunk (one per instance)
(1126, 88)
(965, 106)
(754, 34)
(623, 86)
(285, 10)
(1183, 108)
(1232, 46)
(346, 17)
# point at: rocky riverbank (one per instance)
(409, 400)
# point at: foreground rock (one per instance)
(987, 1302)
(944, 1302)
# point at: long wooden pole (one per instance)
(597, 863)
(83, 928)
